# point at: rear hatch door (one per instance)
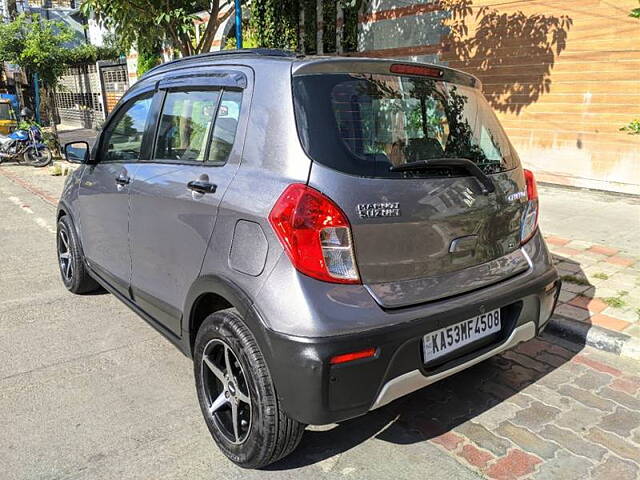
(423, 170)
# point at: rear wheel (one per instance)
(237, 396)
(38, 157)
(70, 260)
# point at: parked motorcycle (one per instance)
(25, 146)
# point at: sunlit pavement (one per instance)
(88, 390)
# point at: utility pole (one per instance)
(238, 24)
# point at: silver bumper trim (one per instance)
(415, 380)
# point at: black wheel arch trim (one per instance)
(227, 289)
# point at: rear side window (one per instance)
(363, 124)
(226, 125)
(185, 124)
(198, 126)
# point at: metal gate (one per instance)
(115, 82)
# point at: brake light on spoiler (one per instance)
(406, 69)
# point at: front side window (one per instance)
(123, 137)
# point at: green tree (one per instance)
(42, 46)
(274, 23)
(38, 46)
(143, 22)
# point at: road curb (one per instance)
(603, 339)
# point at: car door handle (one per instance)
(123, 180)
(202, 187)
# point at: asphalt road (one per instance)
(89, 391)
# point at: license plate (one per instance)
(448, 339)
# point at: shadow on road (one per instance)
(441, 407)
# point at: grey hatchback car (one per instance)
(321, 235)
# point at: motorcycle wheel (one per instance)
(38, 158)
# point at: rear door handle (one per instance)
(123, 180)
(202, 186)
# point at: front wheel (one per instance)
(70, 260)
(237, 396)
(38, 157)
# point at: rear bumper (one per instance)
(315, 392)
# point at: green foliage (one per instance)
(275, 23)
(148, 56)
(146, 61)
(40, 46)
(633, 128)
(615, 302)
(249, 39)
(144, 22)
(635, 13)
(575, 279)
(90, 54)
(36, 45)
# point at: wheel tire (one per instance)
(71, 261)
(40, 161)
(271, 434)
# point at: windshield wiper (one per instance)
(485, 182)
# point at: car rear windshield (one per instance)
(365, 124)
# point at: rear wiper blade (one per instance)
(485, 182)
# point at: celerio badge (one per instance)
(384, 209)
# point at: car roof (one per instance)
(306, 64)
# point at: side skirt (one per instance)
(168, 334)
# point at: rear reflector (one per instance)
(404, 69)
(350, 357)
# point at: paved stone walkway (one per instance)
(601, 284)
(540, 411)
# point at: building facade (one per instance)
(563, 77)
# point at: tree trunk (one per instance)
(339, 27)
(301, 28)
(320, 28)
(49, 104)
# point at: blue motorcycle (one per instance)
(25, 146)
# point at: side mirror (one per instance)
(77, 152)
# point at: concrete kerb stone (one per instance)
(601, 338)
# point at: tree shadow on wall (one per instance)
(512, 53)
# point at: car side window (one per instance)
(226, 124)
(123, 137)
(185, 125)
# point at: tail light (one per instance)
(529, 222)
(315, 233)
